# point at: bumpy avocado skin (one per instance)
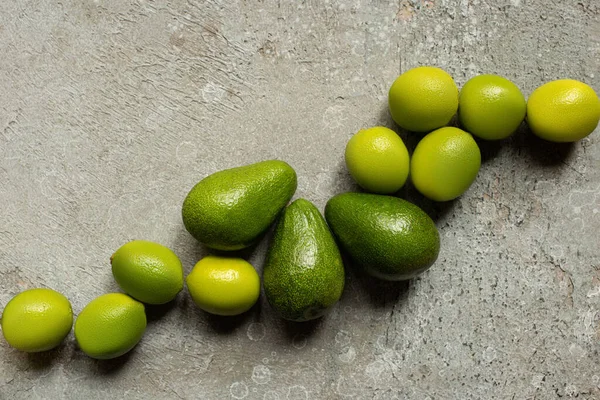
(303, 276)
(231, 209)
(388, 237)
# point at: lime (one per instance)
(445, 163)
(423, 99)
(378, 160)
(37, 320)
(491, 107)
(565, 110)
(110, 325)
(224, 285)
(147, 271)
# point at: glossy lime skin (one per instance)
(37, 320)
(491, 107)
(378, 160)
(224, 285)
(423, 99)
(110, 326)
(389, 238)
(147, 271)
(230, 209)
(445, 163)
(563, 111)
(303, 276)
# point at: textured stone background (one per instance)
(110, 111)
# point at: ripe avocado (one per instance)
(230, 209)
(303, 275)
(388, 237)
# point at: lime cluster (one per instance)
(446, 160)
(112, 324)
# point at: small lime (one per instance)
(423, 99)
(37, 320)
(565, 110)
(110, 326)
(378, 160)
(491, 107)
(445, 163)
(147, 271)
(224, 285)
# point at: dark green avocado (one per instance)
(303, 276)
(389, 238)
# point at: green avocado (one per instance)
(303, 276)
(231, 209)
(389, 238)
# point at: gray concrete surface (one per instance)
(111, 110)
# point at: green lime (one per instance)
(110, 326)
(37, 320)
(378, 160)
(147, 271)
(491, 107)
(423, 99)
(224, 285)
(445, 163)
(565, 110)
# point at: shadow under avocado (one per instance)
(293, 330)
(381, 293)
(250, 252)
(187, 241)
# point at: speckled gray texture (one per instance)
(110, 111)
